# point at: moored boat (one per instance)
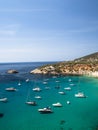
(80, 95)
(58, 104)
(61, 92)
(37, 89)
(3, 99)
(10, 89)
(67, 88)
(45, 110)
(33, 103)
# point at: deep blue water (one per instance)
(80, 114)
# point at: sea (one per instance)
(79, 114)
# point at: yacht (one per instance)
(37, 89)
(38, 97)
(31, 103)
(58, 104)
(61, 92)
(68, 88)
(3, 99)
(45, 110)
(80, 95)
(10, 89)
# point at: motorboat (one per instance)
(10, 89)
(3, 99)
(61, 92)
(58, 104)
(45, 110)
(37, 89)
(67, 88)
(31, 103)
(80, 95)
(38, 97)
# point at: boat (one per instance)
(3, 99)
(45, 82)
(61, 92)
(33, 103)
(27, 80)
(29, 101)
(10, 89)
(37, 89)
(68, 88)
(80, 95)
(58, 104)
(45, 110)
(38, 97)
(70, 80)
(19, 84)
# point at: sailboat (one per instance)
(29, 101)
(80, 94)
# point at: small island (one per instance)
(87, 65)
(12, 71)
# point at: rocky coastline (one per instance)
(87, 65)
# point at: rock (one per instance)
(12, 71)
(36, 71)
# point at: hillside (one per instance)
(87, 65)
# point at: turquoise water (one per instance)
(81, 114)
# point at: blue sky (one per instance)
(47, 30)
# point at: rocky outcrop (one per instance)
(12, 71)
(87, 65)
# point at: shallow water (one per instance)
(81, 114)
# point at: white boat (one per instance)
(45, 110)
(38, 97)
(70, 80)
(3, 99)
(61, 92)
(37, 89)
(80, 95)
(68, 88)
(10, 89)
(58, 104)
(19, 84)
(29, 101)
(45, 82)
(33, 103)
(27, 80)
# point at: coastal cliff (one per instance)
(87, 65)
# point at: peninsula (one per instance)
(87, 65)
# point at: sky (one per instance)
(47, 30)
